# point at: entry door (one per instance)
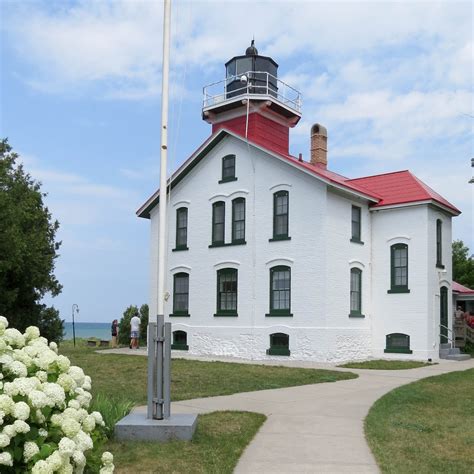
(443, 315)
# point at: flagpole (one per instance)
(164, 157)
(159, 332)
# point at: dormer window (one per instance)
(228, 169)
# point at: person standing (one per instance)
(134, 331)
(114, 330)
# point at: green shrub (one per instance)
(112, 410)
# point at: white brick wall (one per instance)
(319, 253)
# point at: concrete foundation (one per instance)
(136, 426)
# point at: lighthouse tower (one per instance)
(252, 102)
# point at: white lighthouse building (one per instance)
(271, 256)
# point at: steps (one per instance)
(451, 353)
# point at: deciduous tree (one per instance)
(463, 264)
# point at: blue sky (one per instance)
(80, 101)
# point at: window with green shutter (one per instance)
(181, 229)
(228, 169)
(280, 216)
(218, 223)
(279, 344)
(439, 243)
(356, 225)
(180, 294)
(280, 291)
(180, 341)
(226, 292)
(238, 221)
(399, 269)
(397, 343)
(356, 293)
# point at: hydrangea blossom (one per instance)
(40, 389)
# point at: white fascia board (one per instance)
(412, 204)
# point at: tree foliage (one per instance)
(463, 264)
(28, 249)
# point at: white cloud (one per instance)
(118, 44)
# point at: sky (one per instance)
(80, 97)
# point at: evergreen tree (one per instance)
(28, 249)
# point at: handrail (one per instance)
(452, 339)
(255, 83)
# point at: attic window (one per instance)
(228, 169)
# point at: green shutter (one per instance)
(397, 343)
(279, 344)
(180, 341)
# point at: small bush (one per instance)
(112, 410)
(44, 402)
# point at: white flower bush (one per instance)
(45, 426)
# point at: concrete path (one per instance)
(313, 428)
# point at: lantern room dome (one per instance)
(251, 50)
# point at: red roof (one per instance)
(458, 288)
(401, 187)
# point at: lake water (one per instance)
(85, 330)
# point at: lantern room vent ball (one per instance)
(45, 425)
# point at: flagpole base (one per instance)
(137, 427)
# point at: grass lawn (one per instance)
(425, 427)
(381, 364)
(125, 376)
(217, 445)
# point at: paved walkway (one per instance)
(313, 428)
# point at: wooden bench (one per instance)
(91, 343)
(104, 343)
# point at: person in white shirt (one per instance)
(134, 331)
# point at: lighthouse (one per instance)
(253, 102)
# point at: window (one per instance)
(218, 223)
(439, 247)
(226, 292)
(228, 169)
(182, 229)
(238, 220)
(280, 291)
(356, 235)
(398, 343)
(181, 295)
(280, 216)
(279, 344)
(356, 293)
(399, 269)
(180, 341)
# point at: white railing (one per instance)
(256, 83)
(451, 339)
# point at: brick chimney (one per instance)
(319, 146)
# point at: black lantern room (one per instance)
(251, 74)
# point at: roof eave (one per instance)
(450, 210)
